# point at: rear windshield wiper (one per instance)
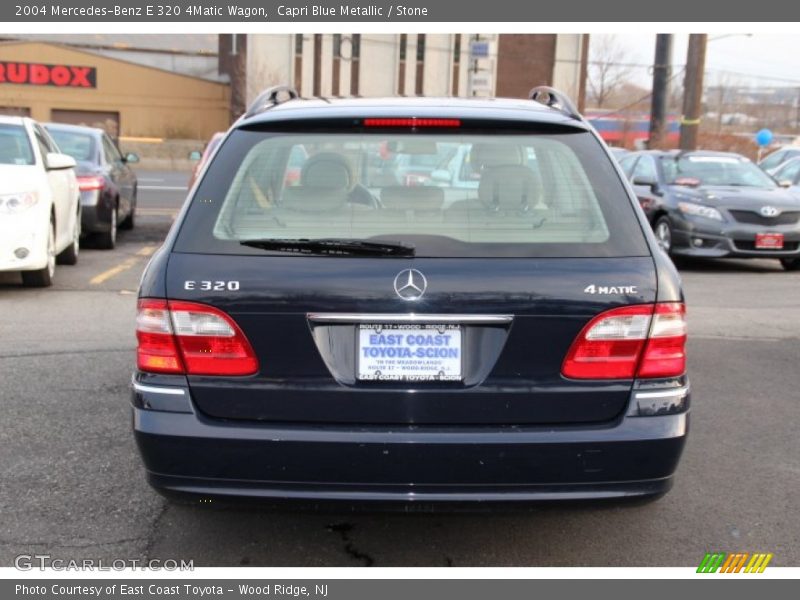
(342, 246)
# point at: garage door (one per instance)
(109, 121)
(15, 111)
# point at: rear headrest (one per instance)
(485, 156)
(313, 199)
(327, 170)
(510, 188)
(412, 198)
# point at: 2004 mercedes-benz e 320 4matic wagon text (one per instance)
(343, 335)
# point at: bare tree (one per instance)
(607, 68)
(722, 99)
(248, 79)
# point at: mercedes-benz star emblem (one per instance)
(410, 284)
(769, 211)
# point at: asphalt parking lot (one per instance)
(71, 484)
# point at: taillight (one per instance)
(190, 338)
(665, 352)
(90, 182)
(156, 350)
(642, 341)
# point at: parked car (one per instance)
(108, 184)
(416, 168)
(294, 166)
(338, 341)
(774, 160)
(618, 153)
(788, 174)
(460, 170)
(40, 211)
(715, 205)
(201, 158)
(412, 163)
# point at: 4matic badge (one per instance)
(606, 290)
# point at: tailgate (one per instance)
(514, 320)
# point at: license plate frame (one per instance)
(769, 241)
(396, 360)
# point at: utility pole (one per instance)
(661, 76)
(797, 111)
(693, 90)
(584, 68)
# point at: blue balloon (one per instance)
(764, 137)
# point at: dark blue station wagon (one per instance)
(352, 334)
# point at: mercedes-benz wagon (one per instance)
(354, 334)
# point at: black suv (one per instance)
(341, 336)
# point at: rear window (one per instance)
(80, 146)
(15, 148)
(447, 194)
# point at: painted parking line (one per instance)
(146, 251)
(123, 266)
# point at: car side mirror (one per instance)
(785, 183)
(55, 160)
(131, 158)
(195, 155)
(646, 182)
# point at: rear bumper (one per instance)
(187, 453)
(96, 207)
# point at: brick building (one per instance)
(462, 64)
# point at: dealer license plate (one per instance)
(769, 241)
(409, 352)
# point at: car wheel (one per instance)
(107, 240)
(130, 220)
(70, 254)
(663, 232)
(44, 277)
(791, 264)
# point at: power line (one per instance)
(639, 65)
(647, 96)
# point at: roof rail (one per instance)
(269, 98)
(552, 98)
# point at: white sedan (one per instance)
(40, 210)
